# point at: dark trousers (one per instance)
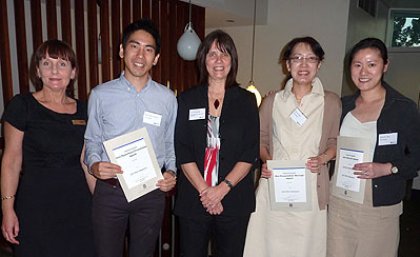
(227, 234)
(113, 216)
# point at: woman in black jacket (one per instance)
(217, 145)
(390, 123)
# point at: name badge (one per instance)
(78, 122)
(152, 118)
(197, 114)
(298, 117)
(388, 139)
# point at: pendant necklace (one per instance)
(216, 104)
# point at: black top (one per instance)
(398, 115)
(239, 137)
(53, 201)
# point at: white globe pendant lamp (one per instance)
(189, 42)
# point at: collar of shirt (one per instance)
(317, 88)
(130, 86)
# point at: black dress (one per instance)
(53, 202)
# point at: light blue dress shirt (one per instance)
(116, 108)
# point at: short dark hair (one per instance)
(143, 24)
(225, 44)
(55, 49)
(315, 46)
(369, 42)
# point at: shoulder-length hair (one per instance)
(55, 49)
(226, 45)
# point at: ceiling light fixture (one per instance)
(189, 42)
(251, 85)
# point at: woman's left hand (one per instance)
(211, 196)
(369, 170)
(314, 164)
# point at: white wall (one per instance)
(241, 11)
(325, 20)
(404, 73)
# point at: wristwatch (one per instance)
(394, 170)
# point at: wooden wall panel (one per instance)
(145, 10)
(21, 46)
(116, 38)
(6, 67)
(170, 16)
(155, 17)
(164, 34)
(36, 23)
(198, 15)
(52, 19)
(181, 21)
(92, 44)
(137, 4)
(126, 13)
(173, 39)
(65, 14)
(105, 41)
(79, 19)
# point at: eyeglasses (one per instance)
(300, 59)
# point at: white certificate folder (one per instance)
(289, 186)
(134, 153)
(344, 184)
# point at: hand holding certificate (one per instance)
(134, 153)
(289, 185)
(345, 184)
(346, 161)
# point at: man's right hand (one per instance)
(105, 170)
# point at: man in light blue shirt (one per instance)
(115, 108)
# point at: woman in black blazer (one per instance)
(217, 145)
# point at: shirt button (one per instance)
(376, 186)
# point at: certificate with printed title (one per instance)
(344, 184)
(134, 153)
(289, 186)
